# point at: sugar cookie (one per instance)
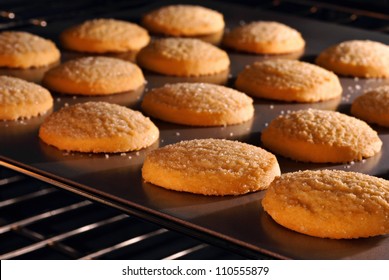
(330, 203)
(264, 37)
(211, 167)
(288, 80)
(198, 104)
(373, 106)
(94, 76)
(366, 59)
(25, 50)
(104, 36)
(184, 20)
(321, 136)
(98, 127)
(22, 99)
(183, 57)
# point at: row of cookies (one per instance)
(306, 135)
(104, 36)
(322, 203)
(273, 79)
(277, 79)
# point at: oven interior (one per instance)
(39, 220)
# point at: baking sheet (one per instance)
(234, 222)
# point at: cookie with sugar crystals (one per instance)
(184, 20)
(94, 76)
(211, 167)
(264, 37)
(183, 57)
(373, 106)
(104, 36)
(98, 127)
(25, 50)
(330, 203)
(357, 58)
(22, 99)
(321, 136)
(288, 80)
(198, 104)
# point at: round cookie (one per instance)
(288, 80)
(184, 20)
(104, 36)
(264, 37)
(373, 106)
(25, 50)
(183, 57)
(366, 59)
(321, 136)
(94, 76)
(22, 99)
(211, 167)
(98, 127)
(198, 104)
(330, 203)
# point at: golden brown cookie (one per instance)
(211, 167)
(183, 57)
(94, 76)
(330, 203)
(373, 106)
(98, 127)
(184, 20)
(366, 59)
(105, 35)
(22, 99)
(288, 80)
(25, 50)
(264, 37)
(321, 136)
(198, 104)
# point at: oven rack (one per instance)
(40, 221)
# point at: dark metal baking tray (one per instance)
(238, 223)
